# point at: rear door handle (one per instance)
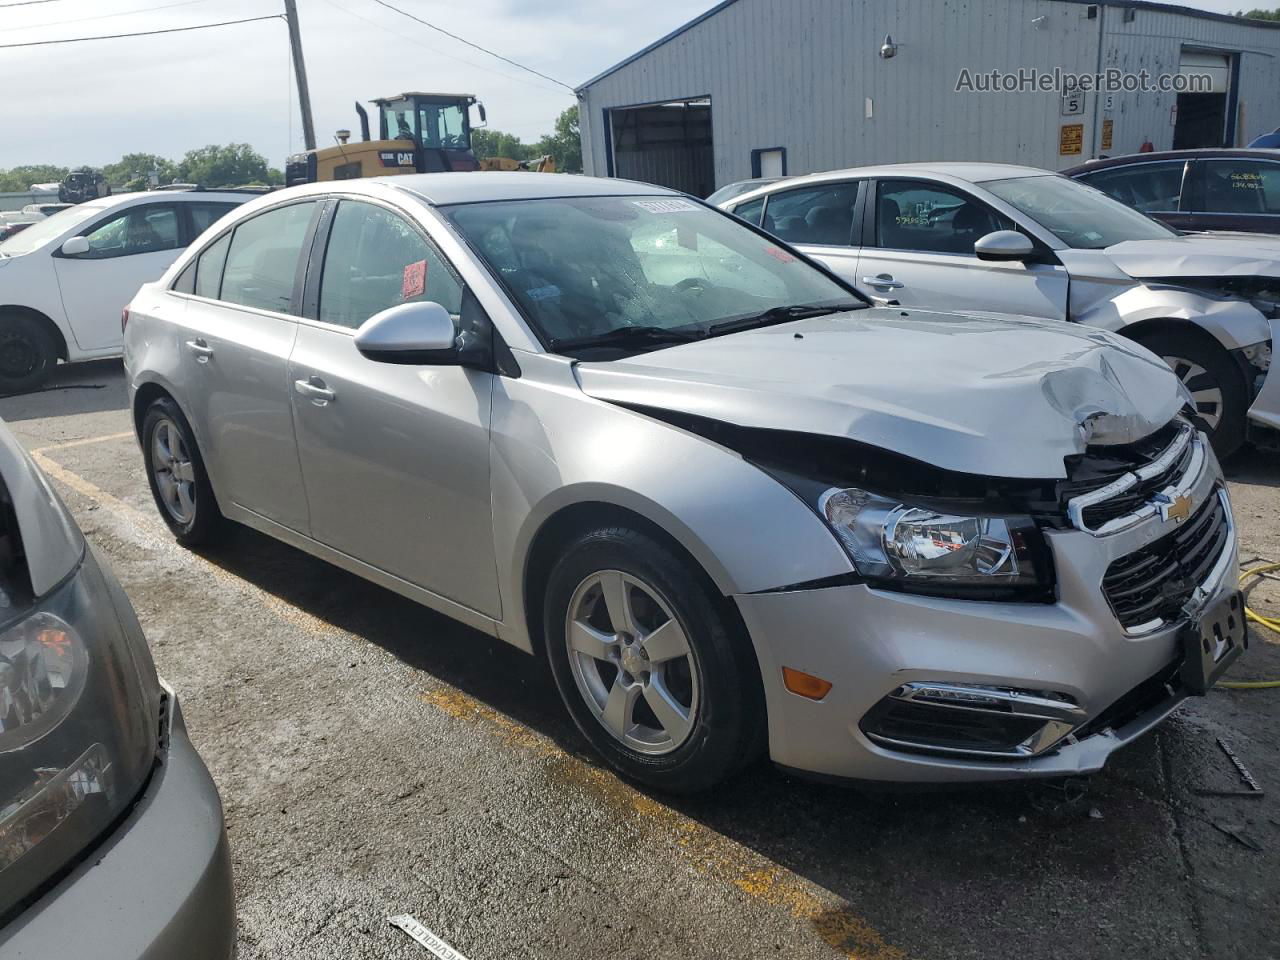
(314, 388)
(201, 349)
(885, 281)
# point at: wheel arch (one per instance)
(1192, 331)
(59, 339)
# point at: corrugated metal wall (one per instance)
(799, 73)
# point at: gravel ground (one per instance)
(377, 759)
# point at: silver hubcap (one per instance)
(631, 661)
(175, 476)
(1204, 389)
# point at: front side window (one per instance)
(930, 217)
(376, 260)
(1238, 186)
(146, 229)
(821, 214)
(262, 261)
(1149, 187)
(1076, 214)
(581, 268)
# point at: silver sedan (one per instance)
(737, 508)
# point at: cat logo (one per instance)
(1177, 509)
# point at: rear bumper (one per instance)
(158, 888)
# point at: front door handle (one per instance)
(884, 281)
(201, 349)
(314, 388)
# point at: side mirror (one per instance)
(1004, 245)
(75, 246)
(421, 333)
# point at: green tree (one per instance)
(565, 144)
(1257, 14)
(19, 179)
(133, 171)
(495, 143)
(235, 164)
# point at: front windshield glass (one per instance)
(1078, 215)
(585, 267)
(42, 231)
(442, 125)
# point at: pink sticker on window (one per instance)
(415, 280)
(779, 254)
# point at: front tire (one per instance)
(177, 476)
(652, 668)
(1217, 387)
(28, 354)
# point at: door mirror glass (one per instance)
(421, 332)
(1004, 245)
(75, 246)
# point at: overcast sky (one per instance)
(92, 102)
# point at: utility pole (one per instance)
(300, 68)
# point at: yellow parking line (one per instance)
(83, 441)
(709, 853)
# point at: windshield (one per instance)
(1078, 215)
(585, 267)
(42, 231)
(442, 125)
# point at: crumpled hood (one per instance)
(965, 392)
(1200, 255)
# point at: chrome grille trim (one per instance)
(1076, 506)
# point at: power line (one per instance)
(418, 43)
(476, 46)
(105, 16)
(143, 33)
(25, 3)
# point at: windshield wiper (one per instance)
(628, 336)
(795, 311)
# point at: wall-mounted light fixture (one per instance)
(888, 49)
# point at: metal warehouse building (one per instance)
(770, 87)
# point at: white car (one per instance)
(65, 279)
(994, 238)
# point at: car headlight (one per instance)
(928, 550)
(78, 729)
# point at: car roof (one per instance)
(960, 171)
(483, 186)
(1203, 153)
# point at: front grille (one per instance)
(1135, 497)
(1153, 584)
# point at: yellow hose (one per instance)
(1271, 623)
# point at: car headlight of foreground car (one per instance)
(78, 726)
(926, 549)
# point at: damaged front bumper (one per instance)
(1054, 688)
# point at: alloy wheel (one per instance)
(174, 473)
(1206, 392)
(632, 663)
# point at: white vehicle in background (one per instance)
(65, 279)
(994, 238)
(39, 211)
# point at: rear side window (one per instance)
(209, 268)
(821, 214)
(204, 214)
(750, 211)
(262, 261)
(1149, 187)
(375, 260)
(1238, 186)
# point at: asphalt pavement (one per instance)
(377, 759)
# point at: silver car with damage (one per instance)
(1019, 240)
(111, 835)
(736, 506)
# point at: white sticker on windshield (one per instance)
(673, 205)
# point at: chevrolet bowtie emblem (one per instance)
(1177, 509)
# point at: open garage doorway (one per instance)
(1204, 117)
(664, 143)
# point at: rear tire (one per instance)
(28, 353)
(1216, 385)
(652, 668)
(177, 476)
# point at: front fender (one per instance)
(554, 447)
(1233, 323)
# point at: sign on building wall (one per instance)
(1072, 104)
(1108, 125)
(1071, 139)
